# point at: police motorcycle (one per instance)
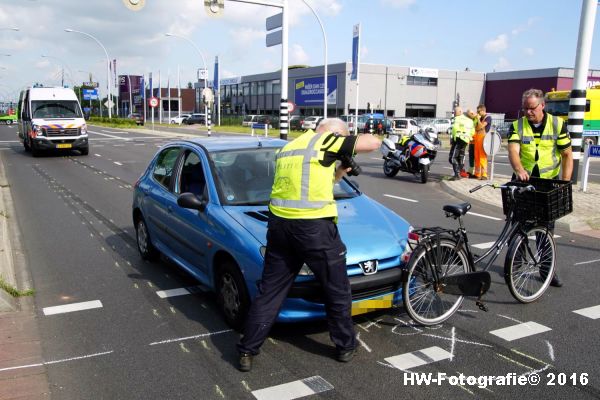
(413, 154)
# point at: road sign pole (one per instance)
(586, 167)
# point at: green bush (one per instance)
(126, 122)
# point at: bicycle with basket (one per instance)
(442, 269)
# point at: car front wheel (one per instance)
(232, 293)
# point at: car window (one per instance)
(191, 178)
(400, 123)
(165, 163)
(245, 177)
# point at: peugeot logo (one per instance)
(368, 267)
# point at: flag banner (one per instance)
(355, 51)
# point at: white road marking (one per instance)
(172, 292)
(66, 308)
(97, 155)
(56, 361)
(417, 358)
(590, 312)
(520, 331)
(401, 198)
(191, 337)
(294, 390)
(118, 163)
(111, 136)
(378, 159)
(484, 216)
(587, 262)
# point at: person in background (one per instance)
(462, 131)
(302, 228)
(483, 125)
(539, 146)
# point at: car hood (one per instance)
(368, 229)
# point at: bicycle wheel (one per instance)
(529, 264)
(423, 297)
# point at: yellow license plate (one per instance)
(64, 146)
(365, 306)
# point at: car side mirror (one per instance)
(190, 200)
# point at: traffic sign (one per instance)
(109, 103)
(291, 107)
(491, 143)
(90, 84)
(153, 102)
(594, 151)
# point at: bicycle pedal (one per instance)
(481, 306)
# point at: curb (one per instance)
(7, 302)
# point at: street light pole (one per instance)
(206, 110)
(324, 56)
(107, 67)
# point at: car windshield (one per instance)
(55, 109)
(557, 107)
(400, 123)
(245, 177)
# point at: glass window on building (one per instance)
(253, 89)
(269, 87)
(421, 81)
(276, 86)
(246, 89)
(261, 87)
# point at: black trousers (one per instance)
(290, 244)
(457, 156)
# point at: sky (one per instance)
(481, 35)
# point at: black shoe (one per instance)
(245, 362)
(345, 355)
(556, 282)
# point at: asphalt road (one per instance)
(128, 342)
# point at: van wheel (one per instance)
(34, 152)
(232, 294)
(9, 122)
(84, 151)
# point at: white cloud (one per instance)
(496, 45)
(528, 51)
(398, 3)
(502, 64)
(522, 28)
(298, 55)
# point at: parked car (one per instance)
(441, 125)
(217, 190)
(195, 118)
(137, 117)
(311, 122)
(179, 119)
(271, 120)
(250, 119)
(295, 122)
(404, 126)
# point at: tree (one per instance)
(190, 86)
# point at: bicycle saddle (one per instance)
(457, 209)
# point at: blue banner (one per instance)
(355, 51)
(216, 78)
(309, 91)
(594, 151)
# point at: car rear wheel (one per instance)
(232, 294)
(144, 244)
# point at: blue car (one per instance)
(203, 203)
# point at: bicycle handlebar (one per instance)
(513, 188)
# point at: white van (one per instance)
(50, 118)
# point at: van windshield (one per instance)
(55, 109)
(401, 124)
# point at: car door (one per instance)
(188, 229)
(159, 196)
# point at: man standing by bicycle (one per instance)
(539, 146)
(462, 132)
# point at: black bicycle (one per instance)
(442, 268)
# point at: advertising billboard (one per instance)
(309, 91)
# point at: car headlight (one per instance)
(84, 129)
(38, 130)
